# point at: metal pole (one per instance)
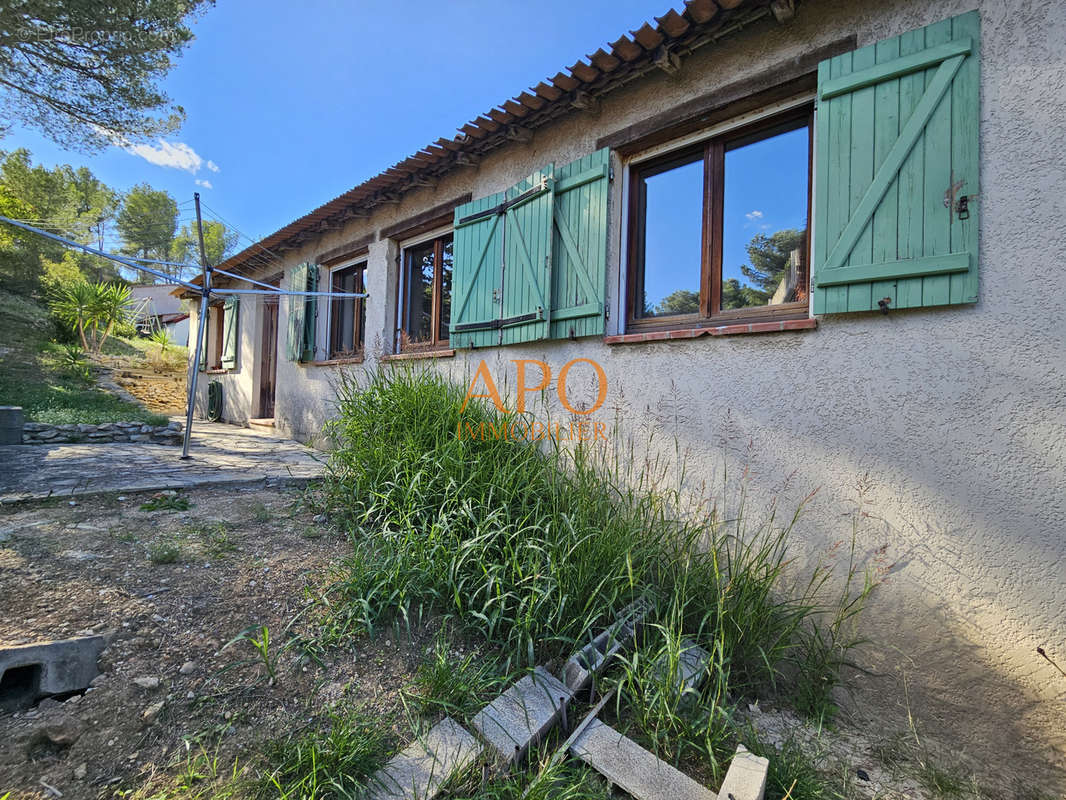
(110, 256)
(201, 329)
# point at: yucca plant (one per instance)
(92, 310)
(162, 337)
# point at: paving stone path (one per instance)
(218, 454)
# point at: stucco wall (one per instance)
(949, 424)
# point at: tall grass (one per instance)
(531, 548)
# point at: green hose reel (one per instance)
(214, 401)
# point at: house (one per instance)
(910, 153)
(155, 306)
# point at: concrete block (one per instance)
(520, 717)
(691, 666)
(593, 657)
(746, 777)
(418, 771)
(11, 423)
(632, 768)
(30, 672)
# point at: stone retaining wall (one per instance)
(42, 433)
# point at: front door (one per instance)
(269, 350)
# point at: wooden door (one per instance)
(269, 351)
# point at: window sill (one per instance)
(215, 371)
(412, 355)
(720, 330)
(332, 362)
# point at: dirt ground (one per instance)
(170, 589)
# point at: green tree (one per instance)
(63, 200)
(147, 222)
(769, 257)
(219, 242)
(86, 73)
(682, 301)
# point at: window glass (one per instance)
(348, 314)
(419, 292)
(446, 289)
(764, 221)
(672, 199)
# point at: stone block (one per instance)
(520, 717)
(746, 777)
(629, 766)
(29, 672)
(418, 771)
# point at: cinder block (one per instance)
(629, 766)
(593, 657)
(691, 666)
(521, 716)
(29, 672)
(418, 771)
(746, 777)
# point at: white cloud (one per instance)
(176, 155)
(206, 184)
(211, 165)
(753, 215)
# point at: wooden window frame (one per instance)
(712, 152)
(437, 342)
(217, 320)
(333, 322)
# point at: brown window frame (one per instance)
(218, 323)
(712, 152)
(437, 342)
(358, 308)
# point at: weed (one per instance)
(164, 552)
(258, 637)
(330, 759)
(445, 684)
(166, 502)
(262, 513)
(216, 539)
(126, 536)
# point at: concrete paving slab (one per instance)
(520, 717)
(220, 455)
(632, 768)
(418, 771)
(746, 777)
(580, 668)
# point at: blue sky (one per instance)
(295, 103)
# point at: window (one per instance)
(426, 294)
(347, 320)
(214, 334)
(718, 231)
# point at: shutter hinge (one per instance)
(610, 174)
(606, 312)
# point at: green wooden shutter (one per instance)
(230, 334)
(896, 178)
(476, 274)
(501, 273)
(294, 343)
(307, 352)
(579, 247)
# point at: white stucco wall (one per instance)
(950, 423)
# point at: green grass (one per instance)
(449, 685)
(332, 758)
(36, 374)
(166, 502)
(528, 551)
